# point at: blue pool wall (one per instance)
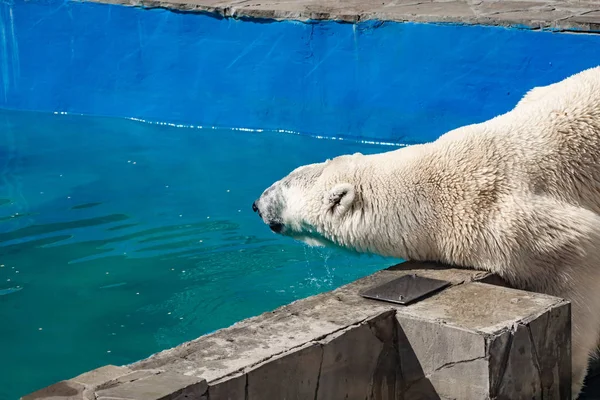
(397, 82)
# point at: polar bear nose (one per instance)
(255, 208)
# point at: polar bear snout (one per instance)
(255, 208)
(266, 212)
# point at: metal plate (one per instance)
(405, 290)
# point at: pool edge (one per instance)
(543, 15)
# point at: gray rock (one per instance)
(101, 375)
(229, 388)
(350, 359)
(164, 386)
(64, 390)
(582, 16)
(387, 381)
(449, 357)
(498, 350)
(127, 378)
(293, 375)
(553, 360)
(521, 379)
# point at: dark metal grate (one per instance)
(405, 290)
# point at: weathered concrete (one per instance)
(112, 383)
(160, 386)
(570, 15)
(297, 375)
(472, 340)
(469, 341)
(81, 387)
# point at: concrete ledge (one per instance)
(112, 383)
(578, 16)
(472, 340)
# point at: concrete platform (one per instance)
(473, 340)
(576, 16)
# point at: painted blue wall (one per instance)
(403, 82)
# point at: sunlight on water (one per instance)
(120, 238)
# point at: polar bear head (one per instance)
(373, 204)
(320, 204)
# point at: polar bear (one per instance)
(517, 195)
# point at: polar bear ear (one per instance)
(340, 197)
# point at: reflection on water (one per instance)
(119, 239)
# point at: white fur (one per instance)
(518, 195)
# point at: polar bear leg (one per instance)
(555, 249)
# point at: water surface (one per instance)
(120, 238)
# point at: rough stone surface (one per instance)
(229, 388)
(469, 341)
(498, 349)
(447, 355)
(476, 307)
(350, 359)
(163, 386)
(545, 331)
(63, 390)
(101, 375)
(530, 359)
(465, 379)
(130, 377)
(521, 378)
(421, 390)
(451, 345)
(490, 349)
(291, 376)
(567, 15)
(82, 387)
(387, 380)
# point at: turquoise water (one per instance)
(120, 238)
